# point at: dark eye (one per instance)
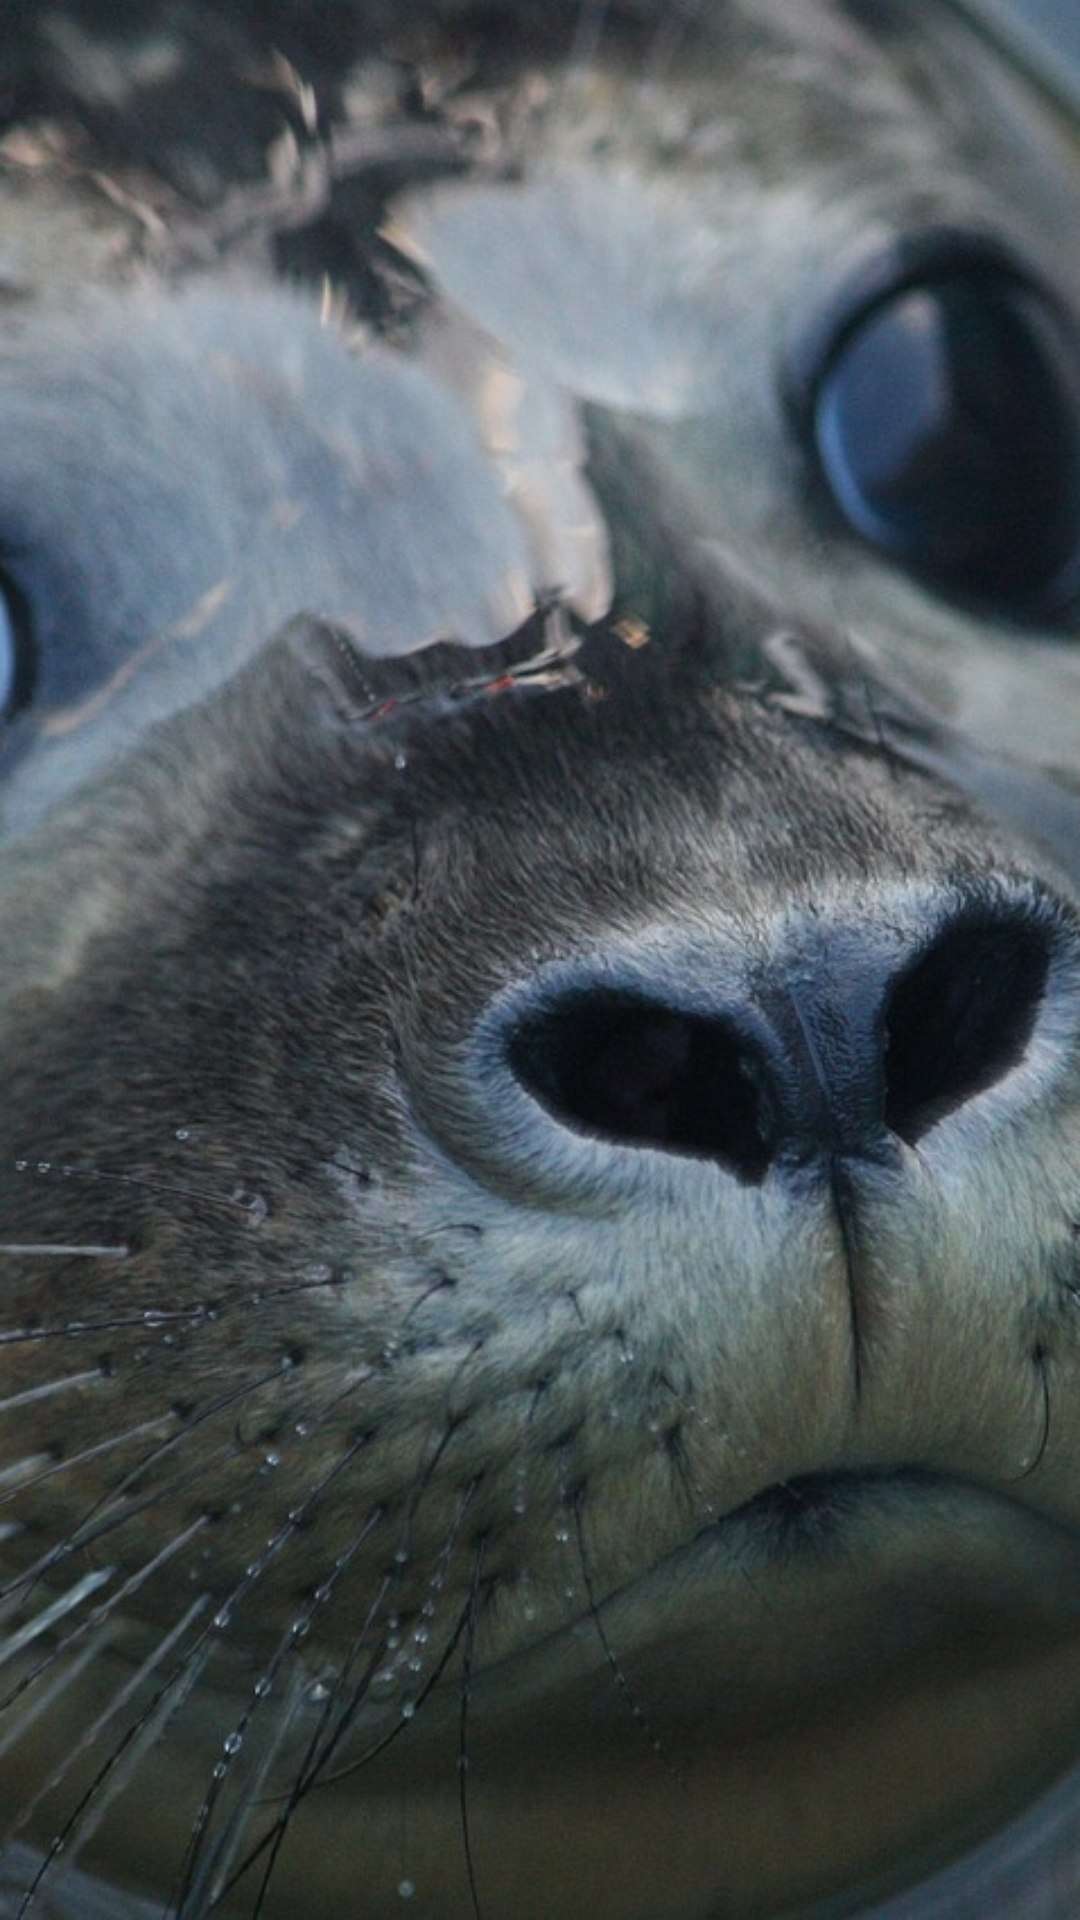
(16, 652)
(942, 406)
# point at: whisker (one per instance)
(30, 1250)
(38, 1704)
(1040, 1360)
(273, 1839)
(19, 1473)
(100, 1614)
(312, 1771)
(75, 1329)
(105, 1504)
(118, 1702)
(124, 1760)
(86, 1536)
(48, 1389)
(248, 1202)
(208, 1884)
(147, 1729)
(287, 1645)
(423, 1481)
(463, 1725)
(203, 1311)
(292, 1525)
(92, 1453)
(328, 1779)
(618, 1674)
(65, 1603)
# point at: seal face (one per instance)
(541, 1004)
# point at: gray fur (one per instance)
(439, 1431)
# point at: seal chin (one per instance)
(883, 1662)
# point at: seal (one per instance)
(541, 992)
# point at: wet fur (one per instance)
(367, 1417)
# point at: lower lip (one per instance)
(851, 1672)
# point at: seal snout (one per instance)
(850, 1037)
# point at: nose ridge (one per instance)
(847, 1040)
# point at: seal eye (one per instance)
(16, 652)
(945, 420)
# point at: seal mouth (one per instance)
(815, 1596)
(820, 1521)
(906, 1561)
(809, 1512)
(833, 1515)
(890, 1639)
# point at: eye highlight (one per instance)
(940, 401)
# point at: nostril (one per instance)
(826, 1050)
(960, 1017)
(629, 1070)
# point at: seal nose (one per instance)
(851, 1037)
